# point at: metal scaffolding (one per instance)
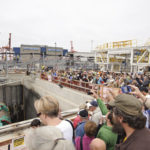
(122, 57)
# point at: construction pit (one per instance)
(19, 94)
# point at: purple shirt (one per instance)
(85, 142)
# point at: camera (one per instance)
(89, 93)
(126, 89)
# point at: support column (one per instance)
(107, 60)
(95, 57)
(131, 60)
(149, 56)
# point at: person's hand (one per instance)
(95, 95)
(109, 96)
(135, 90)
(114, 92)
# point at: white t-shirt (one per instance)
(66, 129)
(96, 116)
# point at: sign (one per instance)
(18, 144)
(54, 50)
(31, 48)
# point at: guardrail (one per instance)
(74, 84)
(101, 90)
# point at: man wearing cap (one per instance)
(94, 111)
(80, 128)
(127, 113)
(91, 106)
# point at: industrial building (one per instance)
(36, 52)
(122, 56)
(29, 52)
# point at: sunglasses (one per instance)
(38, 115)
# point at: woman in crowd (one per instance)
(48, 110)
(83, 143)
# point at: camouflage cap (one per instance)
(128, 104)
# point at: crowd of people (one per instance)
(123, 123)
(112, 79)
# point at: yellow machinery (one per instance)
(122, 44)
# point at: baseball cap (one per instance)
(129, 104)
(94, 103)
(83, 113)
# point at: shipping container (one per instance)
(30, 49)
(29, 52)
(54, 51)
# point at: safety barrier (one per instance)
(101, 90)
(74, 84)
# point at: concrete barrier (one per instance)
(68, 98)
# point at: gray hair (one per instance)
(46, 138)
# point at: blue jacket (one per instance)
(80, 129)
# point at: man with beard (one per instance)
(127, 113)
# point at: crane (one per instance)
(8, 47)
(72, 49)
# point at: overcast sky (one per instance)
(82, 21)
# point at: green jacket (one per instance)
(105, 133)
(102, 106)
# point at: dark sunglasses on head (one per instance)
(38, 115)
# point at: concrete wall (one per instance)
(19, 101)
(29, 96)
(11, 95)
(20, 97)
(68, 98)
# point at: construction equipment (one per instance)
(72, 48)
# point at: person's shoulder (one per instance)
(145, 131)
(64, 124)
(76, 118)
(80, 124)
(106, 130)
(139, 134)
(140, 140)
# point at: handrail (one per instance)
(20, 126)
(11, 82)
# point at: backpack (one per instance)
(72, 127)
(81, 146)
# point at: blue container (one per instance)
(65, 52)
(16, 50)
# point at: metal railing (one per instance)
(10, 132)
